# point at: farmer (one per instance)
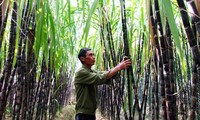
(86, 81)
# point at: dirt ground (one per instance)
(68, 113)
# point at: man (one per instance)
(86, 81)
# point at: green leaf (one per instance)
(173, 27)
(87, 25)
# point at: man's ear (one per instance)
(82, 59)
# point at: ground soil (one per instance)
(68, 113)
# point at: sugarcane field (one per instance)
(99, 59)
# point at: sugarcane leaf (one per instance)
(89, 17)
(173, 27)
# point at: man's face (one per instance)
(89, 59)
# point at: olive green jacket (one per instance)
(86, 82)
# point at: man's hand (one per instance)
(125, 63)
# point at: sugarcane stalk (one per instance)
(146, 90)
(9, 61)
(130, 77)
(195, 51)
(157, 59)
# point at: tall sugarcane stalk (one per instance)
(166, 63)
(2, 30)
(196, 27)
(110, 99)
(113, 57)
(146, 91)
(188, 86)
(9, 61)
(158, 67)
(104, 88)
(106, 102)
(130, 77)
(31, 72)
(160, 48)
(195, 51)
(40, 92)
(21, 102)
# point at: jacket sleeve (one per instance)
(86, 77)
